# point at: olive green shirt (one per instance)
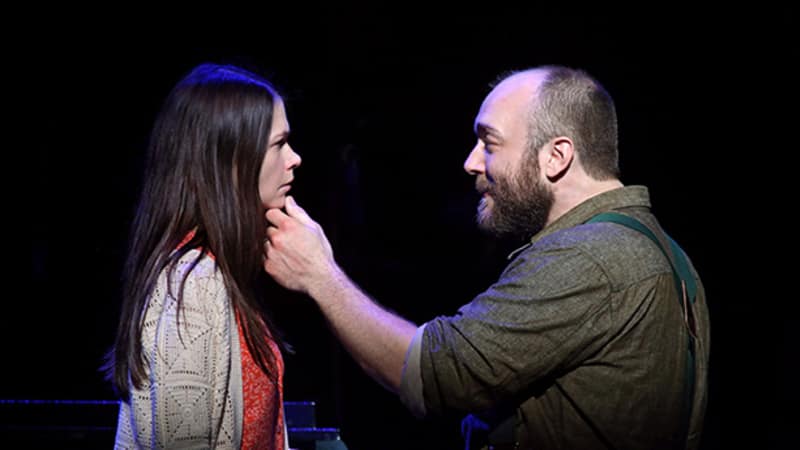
(582, 341)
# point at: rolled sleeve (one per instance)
(547, 311)
(411, 381)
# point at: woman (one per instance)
(196, 358)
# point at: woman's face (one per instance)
(276, 175)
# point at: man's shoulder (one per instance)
(619, 250)
(593, 237)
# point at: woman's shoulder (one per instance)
(202, 283)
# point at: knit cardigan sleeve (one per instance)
(189, 399)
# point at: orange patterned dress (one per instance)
(263, 401)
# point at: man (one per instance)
(588, 339)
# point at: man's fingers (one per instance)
(271, 232)
(276, 217)
(294, 210)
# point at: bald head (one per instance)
(523, 84)
(559, 101)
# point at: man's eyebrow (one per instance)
(483, 130)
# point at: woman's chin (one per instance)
(278, 202)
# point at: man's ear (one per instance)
(556, 157)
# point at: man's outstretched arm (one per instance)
(300, 258)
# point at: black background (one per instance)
(381, 105)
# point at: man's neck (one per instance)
(572, 196)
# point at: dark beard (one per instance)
(521, 203)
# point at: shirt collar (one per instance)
(623, 197)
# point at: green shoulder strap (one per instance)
(679, 264)
(685, 284)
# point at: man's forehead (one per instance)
(506, 101)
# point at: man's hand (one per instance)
(300, 258)
(298, 255)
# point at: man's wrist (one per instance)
(328, 285)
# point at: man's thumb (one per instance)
(294, 210)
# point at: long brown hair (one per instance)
(201, 176)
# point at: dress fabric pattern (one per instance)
(263, 400)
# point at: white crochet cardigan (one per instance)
(193, 397)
